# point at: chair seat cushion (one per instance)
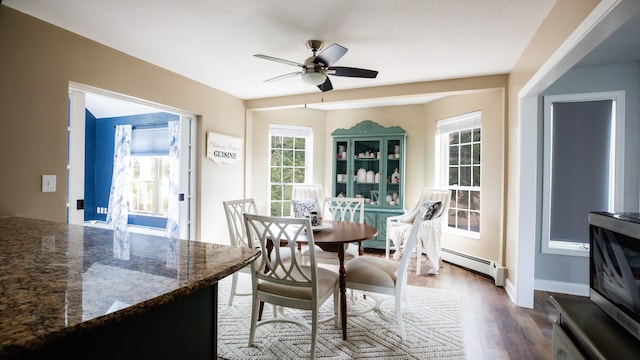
(327, 281)
(350, 252)
(373, 271)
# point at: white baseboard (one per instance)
(511, 291)
(483, 266)
(561, 287)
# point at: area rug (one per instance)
(432, 320)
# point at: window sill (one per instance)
(462, 233)
(565, 248)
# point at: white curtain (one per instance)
(118, 210)
(172, 229)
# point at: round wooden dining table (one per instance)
(331, 237)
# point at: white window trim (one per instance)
(567, 248)
(296, 131)
(443, 128)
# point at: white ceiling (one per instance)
(213, 42)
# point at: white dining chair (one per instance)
(343, 209)
(306, 197)
(370, 274)
(430, 232)
(288, 284)
(234, 209)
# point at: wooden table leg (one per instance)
(343, 292)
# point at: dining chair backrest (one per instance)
(345, 209)
(442, 195)
(439, 214)
(307, 192)
(261, 230)
(233, 210)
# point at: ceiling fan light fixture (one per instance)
(314, 78)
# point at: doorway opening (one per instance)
(143, 178)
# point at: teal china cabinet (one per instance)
(369, 162)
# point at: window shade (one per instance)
(150, 141)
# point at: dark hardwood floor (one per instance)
(494, 328)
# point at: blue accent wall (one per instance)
(99, 135)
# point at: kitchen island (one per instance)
(84, 292)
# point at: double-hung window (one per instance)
(459, 169)
(582, 166)
(289, 164)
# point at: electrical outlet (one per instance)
(48, 183)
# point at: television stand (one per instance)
(584, 331)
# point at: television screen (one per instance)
(615, 267)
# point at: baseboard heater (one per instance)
(483, 266)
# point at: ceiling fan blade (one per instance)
(352, 72)
(282, 61)
(326, 85)
(285, 76)
(330, 55)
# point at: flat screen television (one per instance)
(614, 262)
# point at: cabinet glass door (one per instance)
(394, 161)
(367, 170)
(341, 172)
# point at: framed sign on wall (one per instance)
(223, 149)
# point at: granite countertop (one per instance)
(56, 279)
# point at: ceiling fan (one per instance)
(316, 68)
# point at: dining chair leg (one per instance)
(254, 320)
(418, 255)
(234, 286)
(399, 318)
(314, 331)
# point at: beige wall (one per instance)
(492, 105)
(562, 20)
(258, 148)
(419, 122)
(37, 63)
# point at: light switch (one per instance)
(48, 183)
